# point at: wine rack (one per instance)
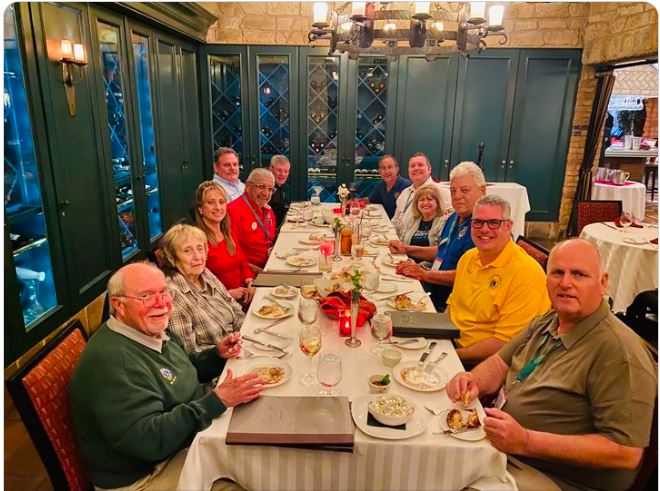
(274, 107)
(322, 125)
(24, 216)
(226, 105)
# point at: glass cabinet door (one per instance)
(146, 122)
(113, 86)
(322, 126)
(24, 214)
(226, 104)
(274, 107)
(371, 121)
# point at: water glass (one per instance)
(329, 372)
(626, 220)
(381, 330)
(307, 310)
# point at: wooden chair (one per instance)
(597, 211)
(40, 391)
(535, 250)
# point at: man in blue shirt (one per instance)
(226, 171)
(467, 185)
(388, 191)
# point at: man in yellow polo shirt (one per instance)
(498, 288)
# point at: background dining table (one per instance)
(632, 196)
(630, 259)
(424, 461)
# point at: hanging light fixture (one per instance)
(359, 28)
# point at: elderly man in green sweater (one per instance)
(136, 398)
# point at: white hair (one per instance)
(469, 168)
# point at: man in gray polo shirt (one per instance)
(576, 388)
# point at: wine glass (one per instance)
(625, 220)
(381, 330)
(329, 372)
(310, 344)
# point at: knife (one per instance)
(399, 343)
(608, 225)
(267, 345)
(268, 326)
(425, 355)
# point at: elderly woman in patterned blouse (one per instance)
(203, 312)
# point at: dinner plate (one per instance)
(288, 307)
(379, 241)
(393, 263)
(310, 242)
(470, 435)
(300, 261)
(370, 252)
(419, 343)
(416, 306)
(295, 219)
(440, 378)
(280, 343)
(266, 363)
(635, 241)
(291, 292)
(360, 412)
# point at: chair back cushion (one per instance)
(47, 386)
(536, 251)
(597, 211)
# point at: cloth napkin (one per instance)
(617, 222)
(340, 301)
(654, 241)
(609, 183)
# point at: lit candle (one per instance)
(495, 15)
(477, 11)
(358, 9)
(320, 10)
(345, 323)
(79, 53)
(422, 7)
(67, 49)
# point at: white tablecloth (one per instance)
(516, 195)
(426, 461)
(632, 269)
(632, 196)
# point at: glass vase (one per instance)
(337, 256)
(353, 341)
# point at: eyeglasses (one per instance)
(263, 187)
(493, 224)
(151, 299)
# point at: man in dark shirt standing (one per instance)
(279, 202)
(386, 192)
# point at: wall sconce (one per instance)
(72, 60)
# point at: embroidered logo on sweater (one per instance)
(168, 375)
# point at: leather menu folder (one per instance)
(426, 324)
(309, 422)
(283, 278)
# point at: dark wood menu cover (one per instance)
(292, 278)
(427, 324)
(293, 421)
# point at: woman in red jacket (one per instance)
(225, 258)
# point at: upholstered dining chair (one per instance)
(535, 250)
(593, 211)
(40, 391)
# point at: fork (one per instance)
(429, 368)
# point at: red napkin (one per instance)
(654, 241)
(340, 301)
(617, 222)
(609, 183)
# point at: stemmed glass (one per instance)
(316, 199)
(310, 336)
(626, 220)
(329, 372)
(381, 330)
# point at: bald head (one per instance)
(576, 280)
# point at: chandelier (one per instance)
(355, 27)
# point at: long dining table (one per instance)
(424, 461)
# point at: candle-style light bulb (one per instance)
(495, 15)
(477, 11)
(66, 49)
(79, 53)
(422, 7)
(320, 13)
(358, 9)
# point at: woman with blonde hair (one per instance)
(225, 257)
(428, 218)
(203, 312)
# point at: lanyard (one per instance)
(450, 235)
(531, 366)
(261, 224)
(410, 195)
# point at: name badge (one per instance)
(501, 398)
(436, 264)
(254, 226)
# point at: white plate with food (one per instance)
(379, 240)
(360, 412)
(272, 372)
(272, 310)
(393, 262)
(405, 303)
(314, 239)
(466, 422)
(300, 261)
(295, 219)
(409, 343)
(284, 291)
(409, 375)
